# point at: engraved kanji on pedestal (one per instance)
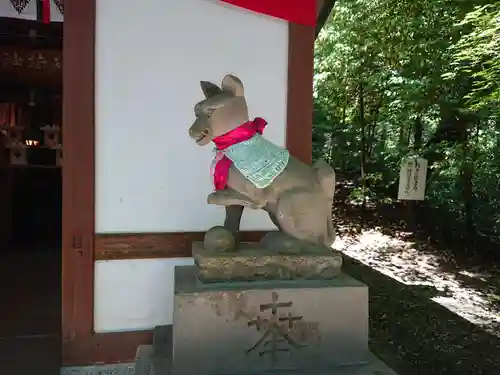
(278, 330)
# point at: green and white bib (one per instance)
(258, 159)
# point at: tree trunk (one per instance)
(413, 206)
(402, 136)
(371, 132)
(342, 123)
(468, 189)
(418, 134)
(363, 143)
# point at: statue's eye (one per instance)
(209, 112)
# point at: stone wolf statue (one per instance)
(250, 171)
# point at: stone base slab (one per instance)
(253, 262)
(145, 366)
(303, 326)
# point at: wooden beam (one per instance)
(153, 245)
(325, 7)
(105, 348)
(78, 173)
(300, 91)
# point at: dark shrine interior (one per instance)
(30, 135)
(30, 196)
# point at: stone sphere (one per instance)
(219, 239)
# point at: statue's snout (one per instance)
(200, 132)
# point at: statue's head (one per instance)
(224, 109)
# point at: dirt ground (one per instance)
(430, 312)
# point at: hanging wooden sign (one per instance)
(31, 65)
(412, 179)
(31, 59)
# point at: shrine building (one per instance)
(97, 165)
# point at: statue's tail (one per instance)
(326, 178)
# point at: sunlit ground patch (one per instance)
(471, 294)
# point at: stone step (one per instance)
(162, 341)
(116, 369)
(155, 359)
(373, 367)
(144, 366)
(162, 350)
(143, 357)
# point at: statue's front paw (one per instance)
(256, 206)
(215, 198)
(219, 239)
(211, 199)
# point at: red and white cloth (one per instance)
(42, 10)
(297, 11)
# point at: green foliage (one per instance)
(477, 54)
(400, 77)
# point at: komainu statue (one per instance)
(250, 171)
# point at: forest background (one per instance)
(396, 78)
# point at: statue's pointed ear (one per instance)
(233, 84)
(209, 89)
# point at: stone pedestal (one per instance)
(255, 327)
(253, 262)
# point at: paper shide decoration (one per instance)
(60, 5)
(20, 5)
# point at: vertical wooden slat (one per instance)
(78, 171)
(300, 91)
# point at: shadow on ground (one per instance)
(416, 336)
(467, 285)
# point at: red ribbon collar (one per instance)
(240, 134)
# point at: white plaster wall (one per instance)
(150, 57)
(150, 176)
(134, 295)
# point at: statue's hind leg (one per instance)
(274, 219)
(302, 214)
